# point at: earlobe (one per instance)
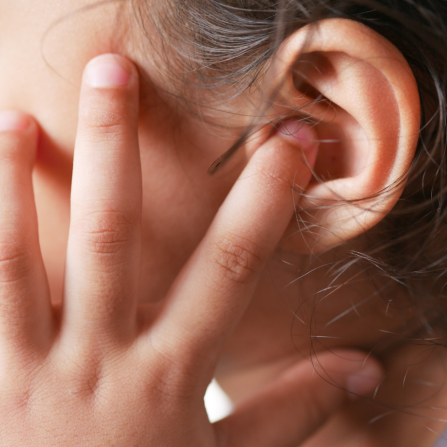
(361, 95)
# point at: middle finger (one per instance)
(104, 241)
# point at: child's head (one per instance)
(218, 73)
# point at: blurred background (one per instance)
(217, 403)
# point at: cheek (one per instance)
(43, 52)
(180, 199)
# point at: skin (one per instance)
(135, 311)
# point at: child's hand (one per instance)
(97, 373)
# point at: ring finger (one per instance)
(25, 309)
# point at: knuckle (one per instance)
(86, 383)
(24, 400)
(104, 124)
(238, 259)
(105, 232)
(273, 179)
(12, 148)
(170, 376)
(83, 371)
(14, 262)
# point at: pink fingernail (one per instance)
(300, 131)
(364, 381)
(12, 120)
(105, 72)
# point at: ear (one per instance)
(366, 117)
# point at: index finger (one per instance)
(214, 288)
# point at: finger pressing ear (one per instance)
(213, 290)
(291, 408)
(361, 94)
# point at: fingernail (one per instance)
(105, 71)
(299, 131)
(12, 120)
(364, 381)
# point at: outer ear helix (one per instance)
(375, 116)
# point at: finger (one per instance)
(104, 239)
(25, 309)
(408, 409)
(214, 288)
(289, 410)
